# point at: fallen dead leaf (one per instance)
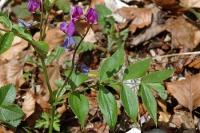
(139, 17)
(53, 74)
(4, 130)
(30, 101)
(190, 3)
(195, 64)
(187, 91)
(154, 29)
(164, 116)
(28, 106)
(18, 46)
(184, 34)
(182, 119)
(11, 72)
(166, 4)
(54, 37)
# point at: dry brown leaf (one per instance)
(195, 64)
(28, 106)
(151, 31)
(54, 37)
(183, 119)
(30, 101)
(53, 74)
(11, 72)
(187, 91)
(190, 3)
(166, 4)
(96, 2)
(139, 17)
(18, 46)
(4, 130)
(184, 34)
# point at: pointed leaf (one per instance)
(130, 102)
(137, 69)
(7, 94)
(157, 77)
(149, 101)
(6, 41)
(112, 64)
(159, 88)
(80, 106)
(108, 106)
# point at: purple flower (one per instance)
(69, 29)
(76, 12)
(84, 68)
(69, 41)
(33, 5)
(92, 16)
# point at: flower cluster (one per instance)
(69, 28)
(33, 5)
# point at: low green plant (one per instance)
(129, 81)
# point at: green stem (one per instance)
(52, 119)
(73, 63)
(46, 77)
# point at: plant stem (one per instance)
(73, 63)
(52, 119)
(46, 77)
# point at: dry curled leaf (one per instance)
(4, 130)
(28, 106)
(184, 34)
(166, 4)
(53, 74)
(30, 101)
(18, 46)
(195, 64)
(186, 91)
(190, 3)
(54, 37)
(139, 17)
(11, 72)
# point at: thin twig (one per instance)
(178, 54)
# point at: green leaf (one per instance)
(130, 102)
(102, 11)
(21, 32)
(108, 106)
(21, 11)
(76, 78)
(6, 41)
(159, 88)
(41, 47)
(80, 106)
(58, 51)
(5, 21)
(10, 114)
(112, 64)
(137, 69)
(63, 5)
(149, 101)
(7, 94)
(157, 77)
